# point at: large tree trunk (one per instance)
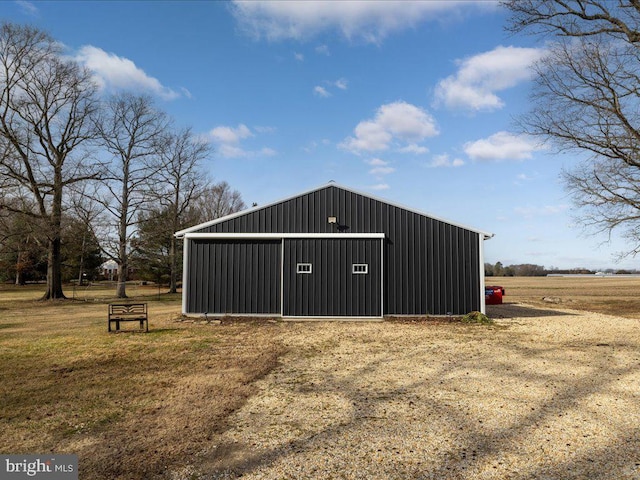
(54, 260)
(123, 261)
(54, 271)
(123, 270)
(121, 291)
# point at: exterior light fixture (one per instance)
(332, 220)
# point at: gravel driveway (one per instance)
(542, 394)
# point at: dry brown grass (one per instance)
(610, 295)
(131, 405)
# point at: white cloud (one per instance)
(379, 186)
(27, 7)
(264, 129)
(298, 56)
(406, 121)
(228, 141)
(323, 50)
(522, 178)
(478, 78)
(369, 22)
(382, 170)
(112, 72)
(369, 136)
(444, 160)
(376, 162)
(502, 146)
(230, 135)
(540, 211)
(380, 167)
(415, 149)
(341, 83)
(268, 152)
(231, 151)
(321, 91)
(398, 121)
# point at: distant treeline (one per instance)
(531, 270)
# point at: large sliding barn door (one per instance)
(234, 277)
(332, 277)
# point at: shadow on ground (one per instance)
(529, 413)
(519, 310)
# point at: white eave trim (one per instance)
(277, 236)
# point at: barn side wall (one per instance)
(430, 266)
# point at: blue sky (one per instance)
(413, 102)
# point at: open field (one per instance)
(611, 295)
(546, 392)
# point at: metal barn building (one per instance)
(332, 252)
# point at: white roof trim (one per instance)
(182, 233)
(278, 236)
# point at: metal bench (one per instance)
(128, 312)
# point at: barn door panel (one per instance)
(234, 277)
(332, 277)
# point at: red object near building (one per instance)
(493, 295)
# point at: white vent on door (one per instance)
(360, 268)
(303, 268)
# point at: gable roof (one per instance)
(200, 226)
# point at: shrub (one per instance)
(476, 317)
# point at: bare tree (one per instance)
(88, 214)
(46, 106)
(217, 201)
(576, 18)
(131, 130)
(586, 99)
(23, 245)
(185, 201)
(180, 182)
(82, 255)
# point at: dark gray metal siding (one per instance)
(431, 267)
(331, 289)
(230, 276)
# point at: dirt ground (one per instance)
(544, 393)
(547, 391)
